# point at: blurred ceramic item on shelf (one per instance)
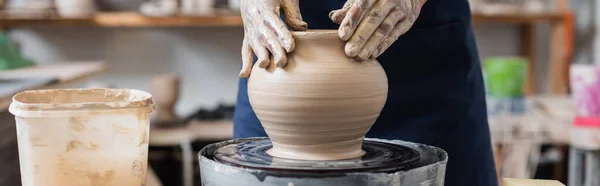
(28, 4)
(165, 90)
(75, 8)
(197, 7)
(234, 5)
(503, 7)
(534, 6)
(187, 7)
(119, 5)
(472, 4)
(585, 132)
(159, 8)
(498, 8)
(505, 76)
(585, 86)
(99, 84)
(497, 107)
(10, 55)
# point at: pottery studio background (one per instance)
(191, 47)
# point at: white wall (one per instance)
(207, 59)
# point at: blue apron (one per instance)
(436, 94)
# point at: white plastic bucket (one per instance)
(83, 137)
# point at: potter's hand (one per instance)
(265, 33)
(371, 26)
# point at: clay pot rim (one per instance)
(315, 32)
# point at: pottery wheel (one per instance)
(379, 157)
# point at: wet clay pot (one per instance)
(322, 103)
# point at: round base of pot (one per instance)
(386, 162)
(378, 157)
(344, 150)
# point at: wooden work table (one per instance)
(193, 131)
(517, 138)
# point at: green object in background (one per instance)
(505, 76)
(10, 57)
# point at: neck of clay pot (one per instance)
(321, 44)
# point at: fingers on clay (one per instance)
(280, 61)
(292, 15)
(279, 30)
(354, 15)
(261, 52)
(366, 28)
(383, 31)
(272, 44)
(247, 58)
(337, 16)
(401, 27)
(363, 55)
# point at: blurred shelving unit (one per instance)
(516, 18)
(561, 44)
(225, 19)
(561, 39)
(511, 156)
(125, 19)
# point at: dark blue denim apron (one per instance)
(436, 94)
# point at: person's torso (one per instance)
(435, 94)
(435, 12)
(433, 70)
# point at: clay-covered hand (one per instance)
(265, 34)
(371, 26)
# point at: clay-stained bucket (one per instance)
(83, 137)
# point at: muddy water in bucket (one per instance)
(83, 137)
